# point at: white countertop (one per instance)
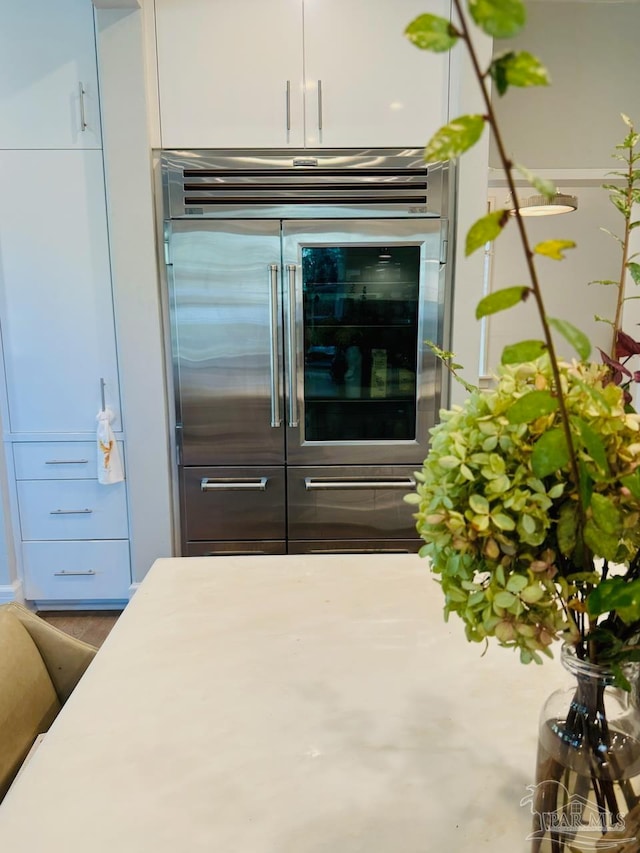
(300, 704)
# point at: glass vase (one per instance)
(587, 791)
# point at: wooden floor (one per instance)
(91, 626)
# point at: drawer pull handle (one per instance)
(312, 484)
(252, 484)
(71, 512)
(359, 551)
(66, 574)
(66, 461)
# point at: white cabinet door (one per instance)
(366, 85)
(56, 310)
(230, 73)
(47, 55)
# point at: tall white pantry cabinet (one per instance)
(56, 307)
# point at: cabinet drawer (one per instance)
(57, 460)
(68, 571)
(344, 503)
(72, 509)
(234, 503)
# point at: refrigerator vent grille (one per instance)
(332, 184)
(211, 188)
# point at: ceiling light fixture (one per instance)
(541, 205)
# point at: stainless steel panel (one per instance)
(350, 502)
(356, 546)
(233, 503)
(225, 348)
(293, 184)
(234, 549)
(413, 417)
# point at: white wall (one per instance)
(565, 287)
(591, 51)
(568, 132)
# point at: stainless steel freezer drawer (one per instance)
(235, 549)
(356, 546)
(350, 502)
(234, 503)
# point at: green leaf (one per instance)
(578, 340)
(550, 453)
(504, 599)
(523, 351)
(567, 527)
(593, 443)
(606, 515)
(479, 504)
(517, 583)
(503, 522)
(601, 544)
(485, 230)
(554, 248)
(632, 482)
(430, 32)
(454, 138)
(634, 270)
(501, 19)
(544, 187)
(585, 484)
(501, 300)
(616, 594)
(517, 69)
(531, 406)
(532, 594)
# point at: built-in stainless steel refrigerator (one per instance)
(302, 287)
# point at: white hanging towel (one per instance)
(109, 463)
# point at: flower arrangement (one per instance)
(529, 499)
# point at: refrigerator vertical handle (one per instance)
(320, 106)
(276, 420)
(291, 353)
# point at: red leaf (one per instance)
(626, 346)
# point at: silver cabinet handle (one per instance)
(320, 105)
(359, 551)
(291, 354)
(83, 117)
(64, 573)
(66, 462)
(288, 105)
(313, 484)
(71, 512)
(276, 420)
(252, 484)
(232, 553)
(102, 396)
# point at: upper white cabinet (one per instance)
(230, 73)
(365, 84)
(55, 291)
(48, 76)
(314, 73)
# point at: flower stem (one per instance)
(625, 254)
(507, 165)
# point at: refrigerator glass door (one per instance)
(361, 299)
(224, 279)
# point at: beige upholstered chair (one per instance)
(39, 668)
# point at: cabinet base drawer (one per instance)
(350, 502)
(356, 546)
(71, 571)
(234, 503)
(72, 509)
(234, 549)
